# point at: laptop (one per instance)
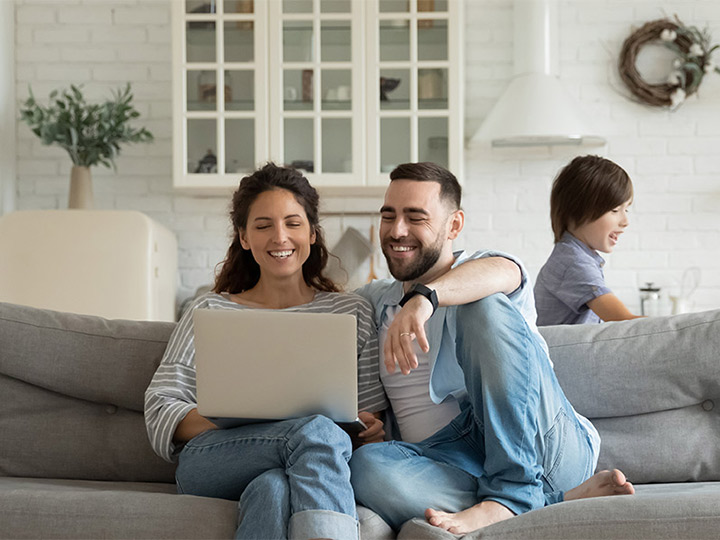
(255, 366)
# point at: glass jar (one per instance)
(649, 300)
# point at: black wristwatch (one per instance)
(427, 292)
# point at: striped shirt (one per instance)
(172, 393)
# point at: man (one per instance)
(486, 431)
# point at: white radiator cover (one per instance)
(115, 264)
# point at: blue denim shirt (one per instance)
(446, 377)
(571, 277)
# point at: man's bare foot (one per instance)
(601, 484)
(486, 513)
(473, 518)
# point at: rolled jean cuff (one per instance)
(322, 524)
(554, 497)
(513, 506)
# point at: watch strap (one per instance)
(427, 292)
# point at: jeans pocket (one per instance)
(460, 428)
(567, 457)
(178, 486)
(460, 444)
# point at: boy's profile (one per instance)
(589, 206)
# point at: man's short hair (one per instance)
(584, 190)
(426, 171)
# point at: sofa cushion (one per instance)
(35, 508)
(372, 526)
(82, 356)
(651, 387)
(655, 512)
(73, 389)
(50, 435)
(40, 508)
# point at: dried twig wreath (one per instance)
(693, 50)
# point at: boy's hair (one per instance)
(426, 171)
(584, 190)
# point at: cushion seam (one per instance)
(73, 331)
(583, 522)
(626, 337)
(633, 415)
(74, 397)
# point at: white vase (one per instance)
(81, 193)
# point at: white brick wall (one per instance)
(672, 157)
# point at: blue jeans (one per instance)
(516, 440)
(291, 478)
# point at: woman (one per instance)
(291, 477)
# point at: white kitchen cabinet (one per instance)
(344, 89)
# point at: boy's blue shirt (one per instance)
(446, 377)
(570, 278)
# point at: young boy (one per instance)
(589, 207)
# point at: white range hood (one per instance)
(536, 110)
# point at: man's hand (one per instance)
(407, 326)
(374, 432)
(467, 282)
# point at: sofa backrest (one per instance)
(651, 387)
(72, 390)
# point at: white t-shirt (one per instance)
(417, 415)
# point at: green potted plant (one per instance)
(90, 132)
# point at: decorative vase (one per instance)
(81, 193)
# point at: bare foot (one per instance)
(601, 484)
(473, 518)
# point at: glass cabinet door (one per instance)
(220, 116)
(317, 125)
(415, 85)
(343, 89)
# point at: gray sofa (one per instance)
(75, 461)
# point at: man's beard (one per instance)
(426, 259)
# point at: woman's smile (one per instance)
(283, 254)
(278, 234)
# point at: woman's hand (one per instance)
(374, 432)
(191, 426)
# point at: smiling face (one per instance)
(416, 229)
(603, 233)
(278, 234)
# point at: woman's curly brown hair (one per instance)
(240, 271)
